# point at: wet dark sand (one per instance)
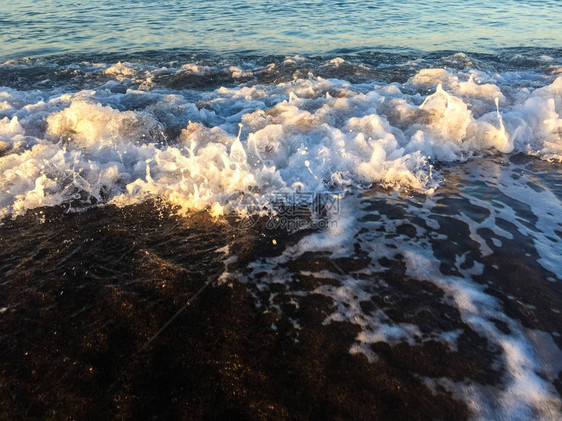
(86, 291)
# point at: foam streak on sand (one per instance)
(527, 359)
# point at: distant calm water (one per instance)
(275, 26)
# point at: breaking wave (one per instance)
(201, 136)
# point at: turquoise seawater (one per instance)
(29, 28)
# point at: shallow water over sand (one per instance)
(440, 303)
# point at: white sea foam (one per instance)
(309, 134)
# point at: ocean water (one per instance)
(274, 26)
(384, 174)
